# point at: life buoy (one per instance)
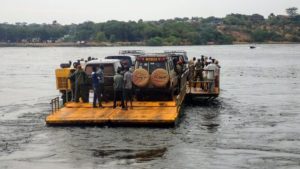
(160, 77)
(140, 77)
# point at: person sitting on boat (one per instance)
(81, 90)
(118, 89)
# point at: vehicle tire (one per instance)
(140, 77)
(160, 77)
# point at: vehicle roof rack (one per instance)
(131, 52)
(154, 54)
(175, 51)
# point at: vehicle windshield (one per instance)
(124, 60)
(108, 69)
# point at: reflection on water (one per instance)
(253, 124)
(138, 155)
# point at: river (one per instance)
(255, 123)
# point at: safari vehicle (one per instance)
(178, 54)
(110, 69)
(125, 60)
(154, 74)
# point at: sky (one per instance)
(78, 11)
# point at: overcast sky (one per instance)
(77, 11)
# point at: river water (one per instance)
(255, 123)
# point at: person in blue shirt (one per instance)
(101, 84)
(96, 87)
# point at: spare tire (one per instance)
(160, 77)
(140, 77)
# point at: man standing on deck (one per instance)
(80, 84)
(118, 88)
(192, 70)
(212, 68)
(198, 73)
(128, 87)
(101, 84)
(96, 86)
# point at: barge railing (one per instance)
(54, 104)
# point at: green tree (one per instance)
(100, 37)
(156, 41)
(292, 12)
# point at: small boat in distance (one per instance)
(252, 47)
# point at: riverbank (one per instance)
(107, 44)
(71, 44)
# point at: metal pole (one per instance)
(57, 103)
(52, 105)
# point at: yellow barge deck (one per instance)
(142, 113)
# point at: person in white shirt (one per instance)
(211, 69)
(128, 87)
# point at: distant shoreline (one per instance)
(118, 44)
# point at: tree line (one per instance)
(177, 31)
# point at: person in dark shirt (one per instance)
(101, 84)
(198, 73)
(80, 78)
(118, 89)
(96, 87)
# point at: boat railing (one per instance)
(196, 82)
(54, 104)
